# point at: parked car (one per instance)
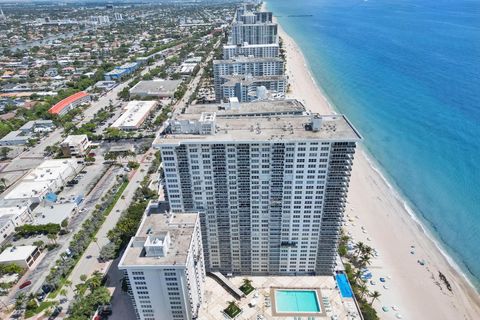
(105, 310)
(25, 284)
(55, 313)
(47, 288)
(40, 296)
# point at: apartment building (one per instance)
(270, 184)
(255, 50)
(75, 145)
(164, 265)
(248, 88)
(253, 28)
(244, 66)
(257, 33)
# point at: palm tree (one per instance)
(367, 251)
(95, 280)
(232, 307)
(247, 282)
(364, 261)
(363, 289)
(80, 289)
(63, 292)
(374, 295)
(357, 275)
(359, 247)
(20, 301)
(52, 237)
(68, 283)
(95, 239)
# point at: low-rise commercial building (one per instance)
(15, 138)
(115, 74)
(36, 126)
(46, 178)
(75, 145)
(53, 212)
(165, 267)
(134, 115)
(155, 88)
(19, 210)
(13, 213)
(23, 256)
(67, 104)
(121, 71)
(7, 227)
(105, 85)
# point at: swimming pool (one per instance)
(296, 301)
(344, 286)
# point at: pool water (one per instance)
(344, 286)
(303, 301)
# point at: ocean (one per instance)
(407, 74)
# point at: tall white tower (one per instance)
(269, 180)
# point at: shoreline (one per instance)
(371, 189)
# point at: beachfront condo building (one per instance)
(269, 180)
(248, 88)
(257, 33)
(253, 28)
(164, 265)
(244, 66)
(251, 50)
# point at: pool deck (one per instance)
(275, 313)
(217, 298)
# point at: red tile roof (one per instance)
(58, 107)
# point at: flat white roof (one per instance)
(75, 139)
(52, 170)
(13, 210)
(44, 177)
(28, 189)
(16, 253)
(52, 213)
(134, 115)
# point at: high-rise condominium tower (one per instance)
(269, 180)
(251, 67)
(164, 266)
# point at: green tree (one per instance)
(4, 152)
(374, 295)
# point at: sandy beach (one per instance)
(414, 289)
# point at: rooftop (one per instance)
(241, 59)
(266, 124)
(134, 114)
(68, 100)
(13, 207)
(75, 139)
(16, 135)
(154, 87)
(16, 253)
(52, 213)
(248, 79)
(160, 228)
(115, 71)
(248, 45)
(266, 107)
(48, 176)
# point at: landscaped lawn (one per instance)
(232, 310)
(43, 305)
(247, 288)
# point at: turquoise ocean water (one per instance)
(407, 74)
